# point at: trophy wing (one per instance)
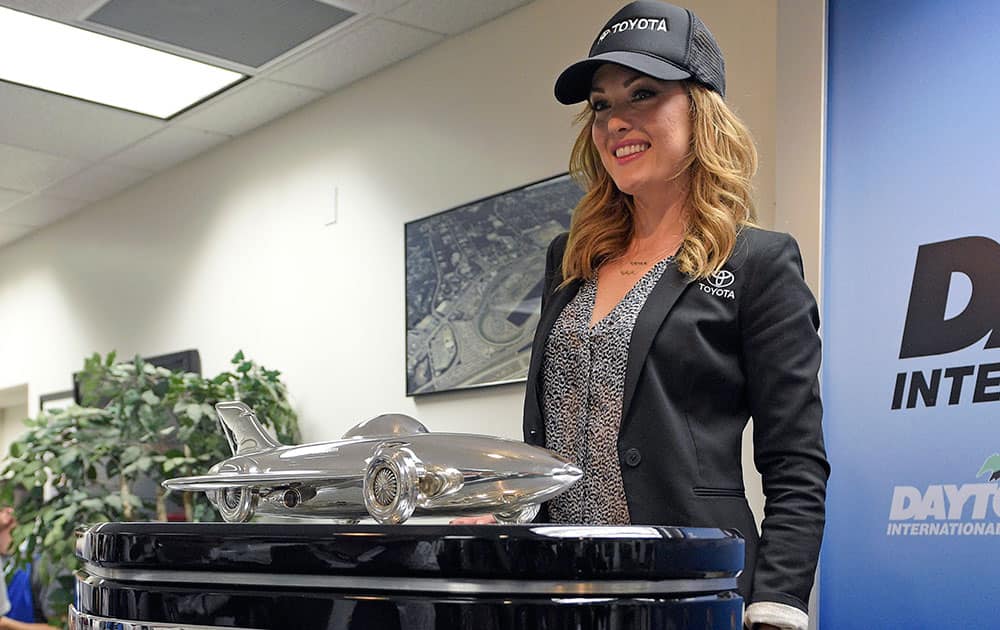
(220, 481)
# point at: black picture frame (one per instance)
(474, 285)
(56, 401)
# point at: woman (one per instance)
(668, 319)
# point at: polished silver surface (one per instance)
(388, 468)
(555, 588)
(386, 424)
(84, 621)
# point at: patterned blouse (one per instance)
(583, 391)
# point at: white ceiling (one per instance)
(59, 154)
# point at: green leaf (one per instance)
(173, 463)
(53, 536)
(150, 398)
(69, 456)
(92, 504)
(237, 357)
(161, 387)
(131, 453)
(185, 433)
(194, 411)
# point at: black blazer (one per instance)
(705, 356)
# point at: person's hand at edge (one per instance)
(483, 519)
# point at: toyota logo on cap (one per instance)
(721, 279)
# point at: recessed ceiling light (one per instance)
(67, 60)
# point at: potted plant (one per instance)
(104, 461)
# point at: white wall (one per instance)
(13, 425)
(13, 411)
(799, 139)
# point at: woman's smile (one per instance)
(629, 150)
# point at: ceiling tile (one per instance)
(62, 10)
(10, 233)
(39, 210)
(378, 7)
(356, 53)
(30, 171)
(98, 182)
(8, 197)
(66, 126)
(167, 148)
(243, 109)
(249, 32)
(448, 16)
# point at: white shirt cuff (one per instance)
(4, 603)
(781, 615)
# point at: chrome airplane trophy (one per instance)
(388, 468)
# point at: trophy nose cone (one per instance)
(569, 473)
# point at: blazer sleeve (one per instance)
(781, 352)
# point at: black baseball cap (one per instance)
(655, 38)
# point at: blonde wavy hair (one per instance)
(720, 164)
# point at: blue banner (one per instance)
(911, 371)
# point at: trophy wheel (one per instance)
(391, 484)
(236, 504)
(518, 516)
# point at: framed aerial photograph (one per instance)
(474, 286)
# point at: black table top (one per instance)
(539, 552)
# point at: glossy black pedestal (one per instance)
(153, 576)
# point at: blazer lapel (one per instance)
(661, 299)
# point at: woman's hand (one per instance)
(485, 519)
